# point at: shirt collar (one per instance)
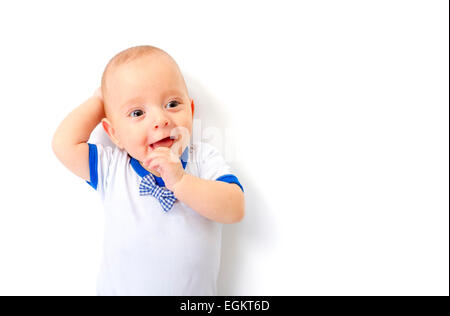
(142, 172)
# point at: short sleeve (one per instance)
(214, 167)
(100, 158)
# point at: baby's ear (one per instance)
(192, 107)
(110, 131)
(106, 126)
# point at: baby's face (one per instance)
(148, 101)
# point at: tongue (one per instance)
(166, 142)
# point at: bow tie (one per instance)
(165, 197)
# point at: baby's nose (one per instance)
(160, 123)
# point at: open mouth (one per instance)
(165, 142)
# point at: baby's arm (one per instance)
(219, 201)
(70, 139)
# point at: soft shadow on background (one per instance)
(340, 112)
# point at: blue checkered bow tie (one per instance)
(165, 197)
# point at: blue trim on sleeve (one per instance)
(93, 158)
(230, 178)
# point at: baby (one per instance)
(165, 198)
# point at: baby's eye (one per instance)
(135, 112)
(175, 103)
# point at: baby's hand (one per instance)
(168, 164)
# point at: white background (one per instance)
(339, 124)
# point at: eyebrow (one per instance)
(129, 102)
(138, 99)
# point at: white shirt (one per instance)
(146, 250)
